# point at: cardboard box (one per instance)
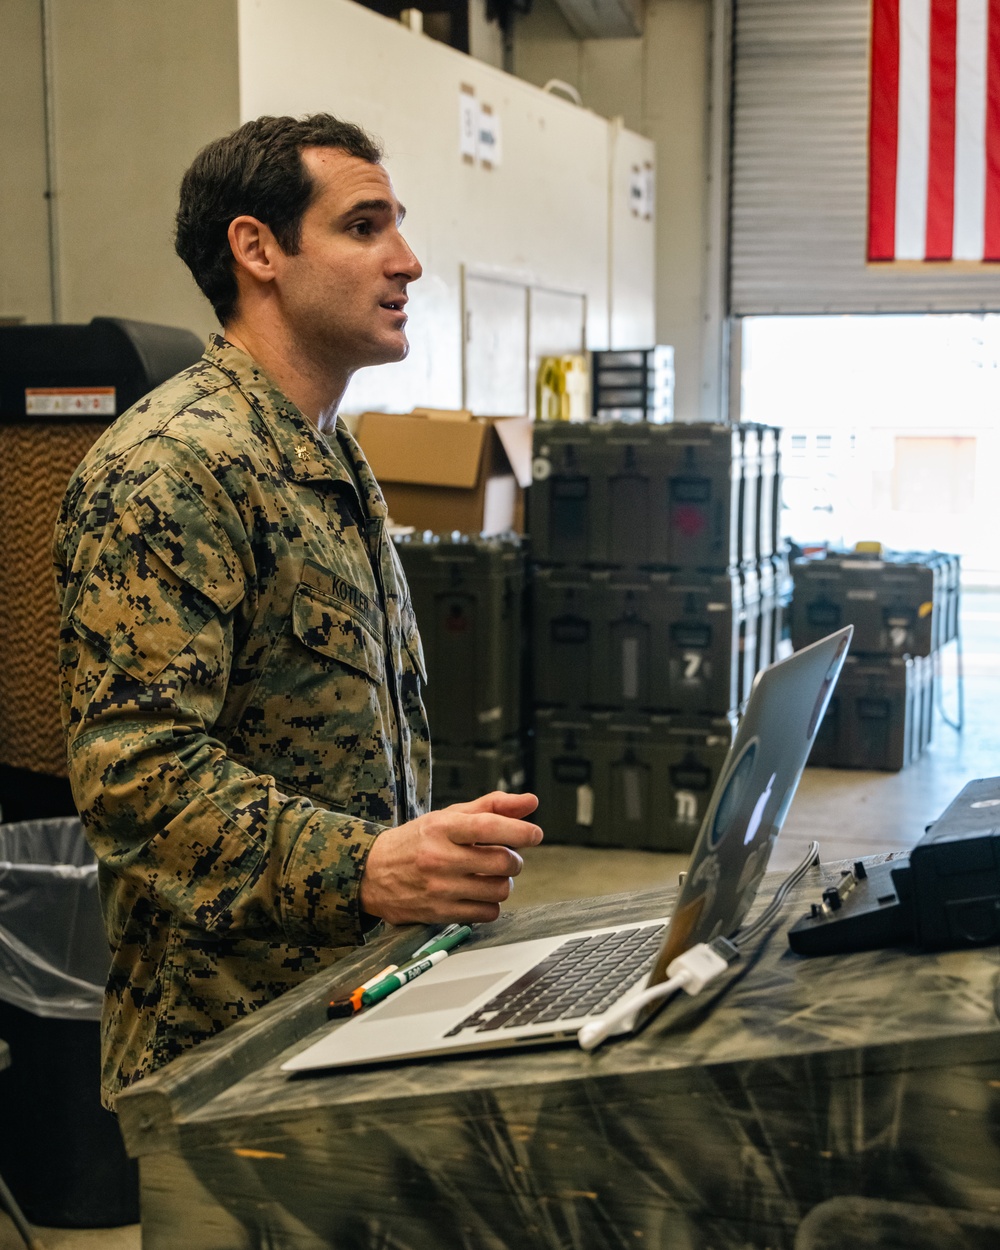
(448, 470)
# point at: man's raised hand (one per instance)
(450, 865)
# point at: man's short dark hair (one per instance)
(256, 170)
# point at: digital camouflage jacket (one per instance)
(241, 692)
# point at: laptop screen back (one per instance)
(751, 800)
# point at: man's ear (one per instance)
(254, 248)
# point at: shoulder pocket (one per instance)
(322, 625)
(167, 569)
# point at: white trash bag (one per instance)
(54, 955)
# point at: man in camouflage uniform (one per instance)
(241, 670)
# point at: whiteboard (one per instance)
(495, 366)
(540, 216)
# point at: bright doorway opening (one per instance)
(890, 429)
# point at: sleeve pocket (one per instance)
(323, 625)
(167, 570)
(177, 525)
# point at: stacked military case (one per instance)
(468, 596)
(903, 606)
(655, 599)
(635, 385)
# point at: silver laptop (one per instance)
(545, 990)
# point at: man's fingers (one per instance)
(486, 861)
(486, 889)
(477, 913)
(499, 802)
(484, 827)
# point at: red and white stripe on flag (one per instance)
(934, 131)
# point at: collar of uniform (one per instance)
(366, 478)
(306, 454)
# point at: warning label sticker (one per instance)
(70, 401)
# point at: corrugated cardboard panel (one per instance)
(429, 453)
(516, 435)
(443, 508)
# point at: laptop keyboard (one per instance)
(582, 977)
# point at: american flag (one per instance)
(934, 131)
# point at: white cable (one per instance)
(690, 972)
(597, 1031)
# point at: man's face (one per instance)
(343, 293)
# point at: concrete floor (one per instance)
(848, 813)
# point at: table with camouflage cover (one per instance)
(800, 1104)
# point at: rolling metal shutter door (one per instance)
(799, 173)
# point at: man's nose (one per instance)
(406, 262)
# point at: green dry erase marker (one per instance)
(446, 941)
(431, 944)
(385, 987)
(430, 954)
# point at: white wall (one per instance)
(485, 38)
(541, 218)
(24, 266)
(137, 90)
(660, 84)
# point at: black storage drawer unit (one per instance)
(633, 385)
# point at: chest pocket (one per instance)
(327, 628)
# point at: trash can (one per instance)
(61, 1152)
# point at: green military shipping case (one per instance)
(643, 642)
(460, 774)
(641, 782)
(892, 602)
(881, 714)
(468, 596)
(636, 495)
